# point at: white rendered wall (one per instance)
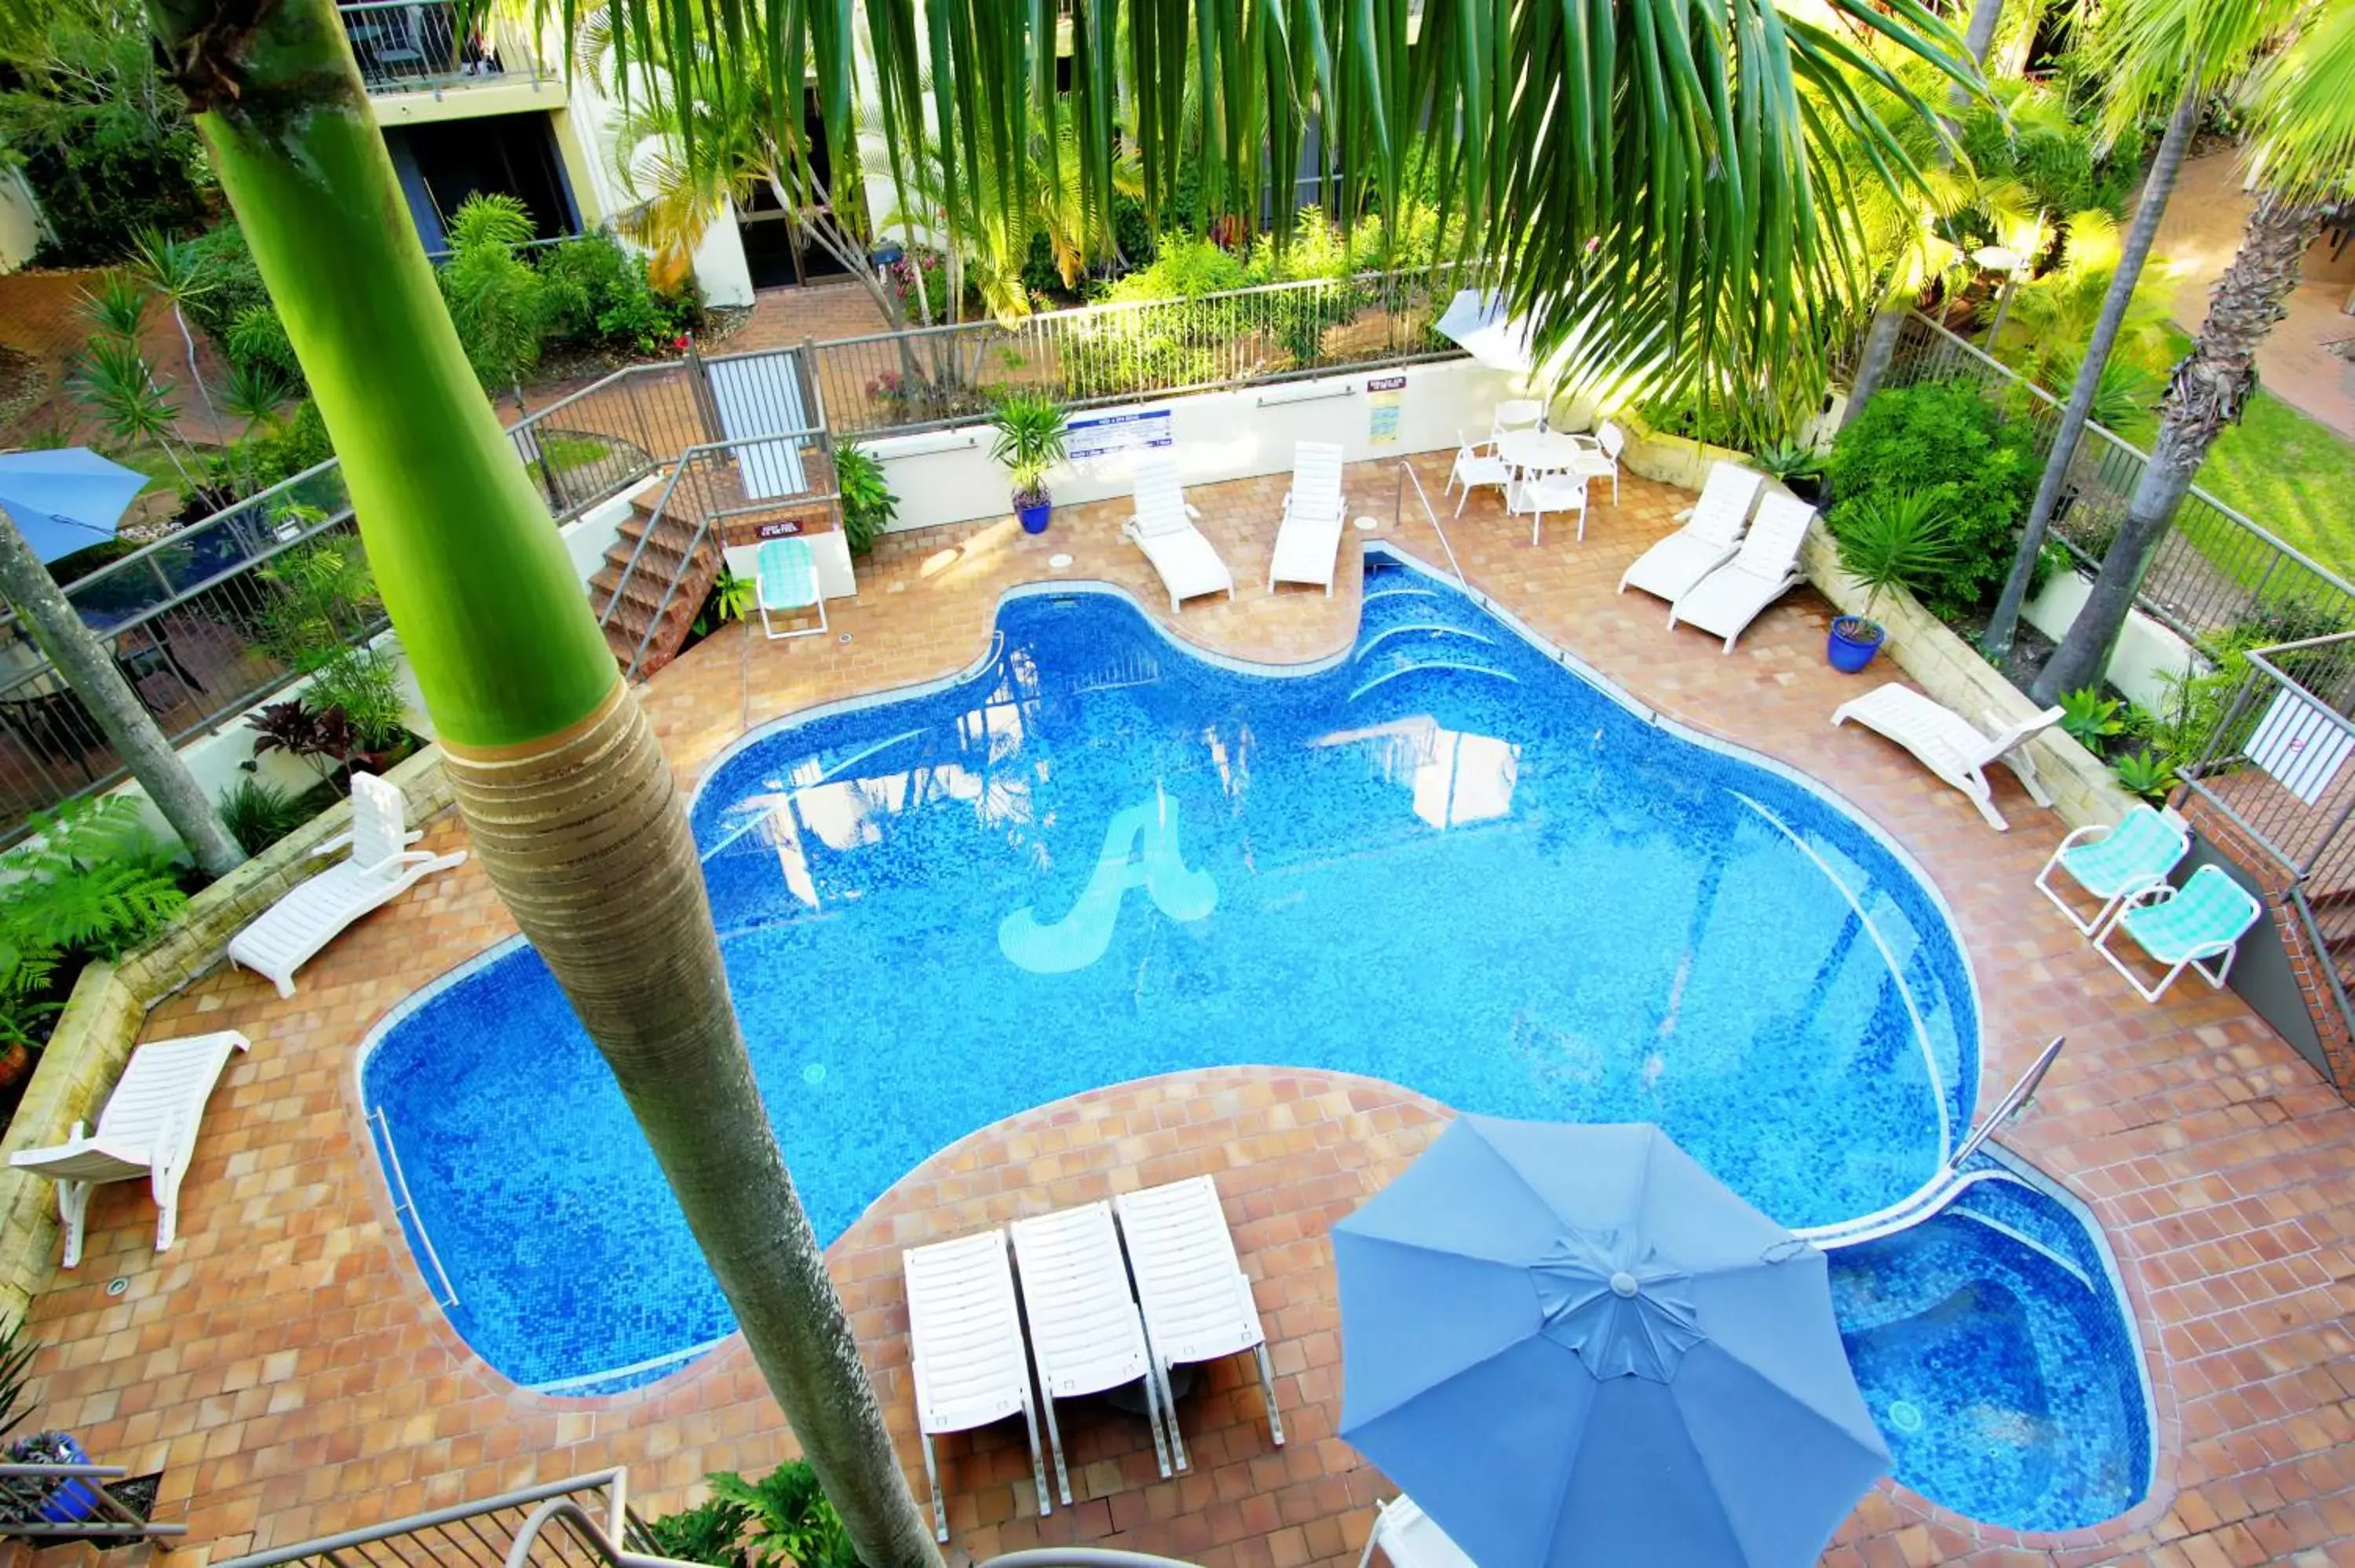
(947, 477)
(20, 221)
(2146, 651)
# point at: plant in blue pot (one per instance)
(1029, 441)
(1888, 539)
(64, 1500)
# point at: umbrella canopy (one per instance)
(1477, 321)
(1573, 1345)
(67, 499)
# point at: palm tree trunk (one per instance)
(2157, 188)
(195, 376)
(83, 661)
(2205, 394)
(558, 773)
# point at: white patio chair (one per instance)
(1411, 1538)
(787, 584)
(1534, 495)
(1712, 532)
(1950, 745)
(1763, 570)
(1308, 540)
(1197, 1302)
(2184, 926)
(381, 868)
(1163, 528)
(1602, 458)
(1086, 1335)
(1477, 464)
(964, 1337)
(1516, 414)
(148, 1129)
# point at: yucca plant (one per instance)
(1029, 441)
(1888, 539)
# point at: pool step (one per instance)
(1393, 665)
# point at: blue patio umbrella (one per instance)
(1573, 1345)
(66, 499)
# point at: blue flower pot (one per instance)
(1853, 642)
(74, 1500)
(1034, 518)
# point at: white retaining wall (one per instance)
(2146, 653)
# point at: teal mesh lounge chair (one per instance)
(2112, 863)
(789, 583)
(2205, 918)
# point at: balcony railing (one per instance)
(425, 45)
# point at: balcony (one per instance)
(422, 46)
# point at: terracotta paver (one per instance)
(290, 1373)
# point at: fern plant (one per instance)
(90, 880)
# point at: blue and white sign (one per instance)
(1105, 434)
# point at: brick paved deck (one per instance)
(289, 1372)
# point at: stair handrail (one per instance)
(818, 438)
(585, 1528)
(611, 1483)
(1398, 506)
(654, 520)
(2014, 1101)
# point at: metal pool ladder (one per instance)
(402, 1203)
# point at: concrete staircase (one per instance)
(663, 593)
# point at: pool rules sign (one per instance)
(1383, 394)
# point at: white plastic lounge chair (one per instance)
(148, 1129)
(2113, 863)
(1516, 414)
(964, 1337)
(1085, 1333)
(1950, 745)
(1477, 464)
(1763, 570)
(1308, 542)
(1197, 1304)
(2182, 927)
(1411, 1538)
(788, 584)
(382, 869)
(1163, 529)
(1538, 494)
(1706, 541)
(1602, 458)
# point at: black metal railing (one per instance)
(419, 46)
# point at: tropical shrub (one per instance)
(598, 294)
(89, 883)
(1184, 268)
(868, 504)
(706, 1532)
(790, 1521)
(2091, 718)
(2145, 773)
(1946, 439)
(259, 813)
(1893, 539)
(498, 301)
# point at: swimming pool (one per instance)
(1445, 858)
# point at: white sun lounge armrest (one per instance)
(965, 1338)
(1086, 1335)
(1197, 1301)
(148, 1129)
(291, 931)
(1950, 745)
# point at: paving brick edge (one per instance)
(103, 1019)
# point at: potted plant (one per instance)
(1029, 441)
(67, 1500)
(1891, 538)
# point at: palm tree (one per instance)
(76, 652)
(1693, 185)
(175, 269)
(2302, 120)
(2151, 52)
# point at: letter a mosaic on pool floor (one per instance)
(1082, 937)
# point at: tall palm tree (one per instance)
(2151, 53)
(1675, 172)
(2302, 142)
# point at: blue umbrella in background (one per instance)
(65, 499)
(1573, 1345)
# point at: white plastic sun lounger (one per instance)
(1950, 745)
(965, 1339)
(1085, 1333)
(1197, 1304)
(1308, 542)
(1411, 1538)
(148, 1129)
(381, 868)
(1672, 568)
(1763, 570)
(1163, 528)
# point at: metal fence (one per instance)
(2216, 579)
(185, 617)
(934, 377)
(420, 46)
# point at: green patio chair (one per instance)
(2182, 927)
(2110, 863)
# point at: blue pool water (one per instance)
(1443, 860)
